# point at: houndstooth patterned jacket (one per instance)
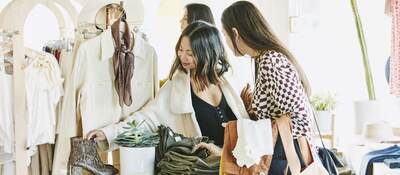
(279, 90)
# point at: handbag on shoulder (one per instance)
(327, 157)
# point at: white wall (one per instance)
(41, 26)
(330, 54)
(3, 3)
(164, 32)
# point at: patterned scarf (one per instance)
(123, 62)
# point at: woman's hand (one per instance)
(97, 135)
(247, 98)
(214, 149)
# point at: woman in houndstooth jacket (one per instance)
(281, 86)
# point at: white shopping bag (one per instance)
(254, 141)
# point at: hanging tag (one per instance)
(177, 139)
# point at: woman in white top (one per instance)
(196, 77)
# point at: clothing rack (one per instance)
(55, 47)
(6, 40)
(89, 33)
(6, 45)
(14, 41)
(88, 30)
(8, 33)
(60, 44)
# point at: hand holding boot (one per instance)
(97, 135)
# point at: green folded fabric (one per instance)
(174, 155)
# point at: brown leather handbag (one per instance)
(228, 161)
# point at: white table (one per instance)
(382, 169)
(357, 153)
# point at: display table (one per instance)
(382, 169)
(360, 149)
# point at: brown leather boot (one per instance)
(84, 155)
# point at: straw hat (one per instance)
(379, 132)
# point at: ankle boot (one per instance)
(84, 156)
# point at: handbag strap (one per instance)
(285, 132)
(319, 131)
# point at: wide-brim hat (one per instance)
(381, 132)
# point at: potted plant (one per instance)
(324, 106)
(137, 151)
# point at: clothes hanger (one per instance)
(41, 56)
(6, 49)
(109, 10)
(6, 41)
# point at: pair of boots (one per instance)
(84, 155)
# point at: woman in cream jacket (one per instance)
(198, 97)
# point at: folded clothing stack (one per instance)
(174, 155)
(392, 163)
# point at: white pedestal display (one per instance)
(137, 161)
(366, 112)
(324, 120)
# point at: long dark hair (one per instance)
(256, 33)
(208, 52)
(197, 12)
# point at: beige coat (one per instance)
(173, 107)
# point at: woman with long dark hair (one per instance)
(198, 98)
(195, 12)
(281, 86)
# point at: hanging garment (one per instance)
(90, 95)
(7, 164)
(66, 65)
(64, 134)
(7, 168)
(6, 111)
(43, 85)
(395, 56)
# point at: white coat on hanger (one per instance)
(91, 95)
